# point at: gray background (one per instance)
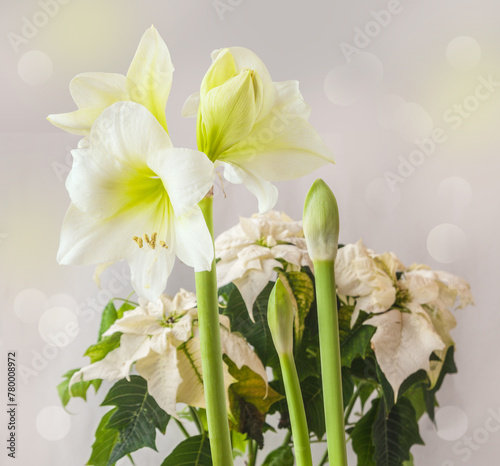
(369, 107)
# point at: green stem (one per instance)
(196, 419)
(182, 428)
(287, 438)
(211, 355)
(326, 298)
(252, 453)
(296, 409)
(324, 459)
(351, 404)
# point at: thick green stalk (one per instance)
(211, 355)
(295, 403)
(326, 298)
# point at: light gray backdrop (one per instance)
(404, 92)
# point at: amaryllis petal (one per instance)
(149, 78)
(78, 122)
(194, 245)
(122, 186)
(186, 174)
(266, 193)
(150, 270)
(148, 83)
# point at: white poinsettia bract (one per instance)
(250, 252)
(162, 339)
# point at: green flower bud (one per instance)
(280, 318)
(230, 102)
(321, 222)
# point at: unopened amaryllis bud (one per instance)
(280, 318)
(321, 222)
(230, 102)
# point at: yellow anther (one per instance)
(138, 241)
(153, 240)
(163, 244)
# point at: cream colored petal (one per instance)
(182, 330)
(403, 343)
(187, 175)
(136, 325)
(283, 146)
(184, 300)
(87, 240)
(150, 269)
(150, 75)
(228, 112)
(266, 193)
(117, 363)
(98, 90)
(189, 363)
(163, 377)
(422, 289)
(78, 122)
(458, 284)
(194, 244)
(222, 69)
(246, 59)
(253, 282)
(240, 352)
(129, 133)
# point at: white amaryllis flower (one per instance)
(359, 275)
(135, 197)
(255, 128)
(162, 339)
(250, 251)
(147, 82)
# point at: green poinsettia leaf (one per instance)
(250, 399)
(312, 393)
(105, 441)
(256, 333)
(282, 456)
(362, 436)
(448, 367)
(109, 315)
(102, 348)
(126, 306)
(302, 289)
(409, 462)
(136, 418)
(417, 396)
(347, 386)
(395, 431)
(354, 342)
(364, 392)
(251, 387)
(194, 451)
(78, 389)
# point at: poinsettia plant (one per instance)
(342, 343)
